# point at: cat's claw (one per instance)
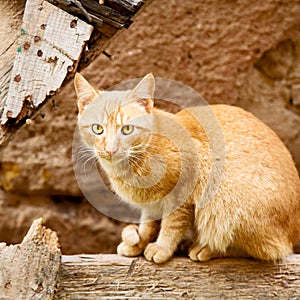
(157, 253)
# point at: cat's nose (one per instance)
(111, 150)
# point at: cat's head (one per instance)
(112, 123)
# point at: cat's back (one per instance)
(250, 145)
(243, 133)
(254, 154)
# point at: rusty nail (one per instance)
(37, 38)
(26, 45)
(9, 115)
(73, 23)
(28, 98)
(17, 78)
(43, 26)
(39, 53)
(28, 121)
(70, 68)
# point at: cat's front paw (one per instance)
(130, 235)
(157, 253)
(130, 245)
(129, 250)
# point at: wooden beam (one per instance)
(29, 270)
(115, 277)
(35, 57)
(107, 18)
(35, 269)
(50, 46)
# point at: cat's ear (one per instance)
(85, 92)
(143, 93)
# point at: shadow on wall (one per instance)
(272, 93)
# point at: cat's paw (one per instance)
(130, 235)
(200, 253)
(130, 242)
(157, 253)
(129, 250)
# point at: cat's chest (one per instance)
(143, 199)
(129, 191)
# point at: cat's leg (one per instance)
(172, 232)
(136, 238)
(270, 249)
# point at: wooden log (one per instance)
(29, 270)
(114, 277)
(35, 269)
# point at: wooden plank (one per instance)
(131, 6)
(29, 270)
(114, 277)
(49, 48)
(14, 38)
(11, 19)
(107, 18)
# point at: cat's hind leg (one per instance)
(271, 249)
(200, 253)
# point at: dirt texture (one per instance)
(242, 53)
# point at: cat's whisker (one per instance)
(84, 157)
(139, 146)
(134, 163)
(91, 162)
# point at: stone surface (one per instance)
(243, 53)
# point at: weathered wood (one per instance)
(49, 47)
(104, 17)
(114, 277)
(35, 269)
(23, 94)
(11, 19)
(29, 270)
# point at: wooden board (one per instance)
(115, 277)
(35, 269)
(11, 19)
(38, 57)
(49, 46)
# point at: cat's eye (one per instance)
(127, 129)
(97, 129)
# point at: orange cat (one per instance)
(162, 163)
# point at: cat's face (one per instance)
(115, 124)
